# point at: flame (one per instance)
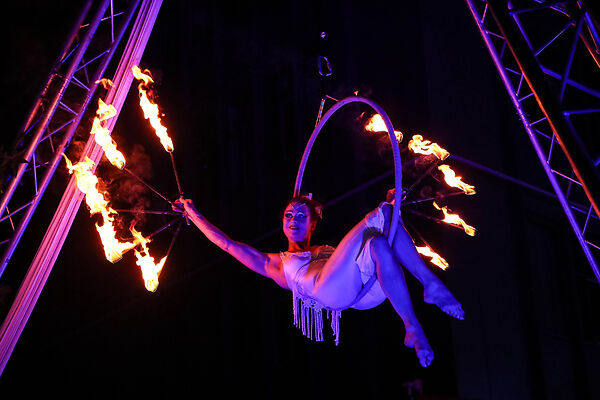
(105, 82)
(139, 238)
(105, 111)
(420, 146)
(455, 181)
(150, 109)
(102, 134)
(87, 183)
(435, 258)
(113, 247)
(150, 270)
(376, 124)
(455, 219)
(139, 75)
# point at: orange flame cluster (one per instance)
(376, 124)
(102, 134)
(150, 109)
(87, 182)
(435, 258)
(426, 147)
(455, 181)
(455, 219)
(150, 270)
(114, 248)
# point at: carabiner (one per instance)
(324, 61)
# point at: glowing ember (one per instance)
(87, 182)
(150, 270)
(376, 124)
(435, 258)
(150, 109)
(102, 134)
(455, 219)
(455, 181)
(105, 82)
(420, 146)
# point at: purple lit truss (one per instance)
(548, 56)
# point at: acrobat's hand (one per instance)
(390, 197)
(186, 207)
(178, 206)
(183, 205)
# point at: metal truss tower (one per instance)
(48, 129)
(548, 56)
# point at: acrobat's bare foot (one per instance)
(436, 293)
(415, 339)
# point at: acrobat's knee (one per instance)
(380, 246)
(387, 210)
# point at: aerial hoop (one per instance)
(395, 151)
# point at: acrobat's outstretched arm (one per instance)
(265, 264)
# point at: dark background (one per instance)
(239, 87)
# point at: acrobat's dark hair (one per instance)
(316, 208)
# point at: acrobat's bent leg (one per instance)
(338, 282)
(435, 292)
(391, 278)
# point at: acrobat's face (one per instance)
(297, 223)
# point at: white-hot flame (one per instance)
(150, 109)
(150, 270)
(426, 147)
(455, 219)
(455, 181)
(114, 248)
(377, 124)
(87, 183)
(102, 134)
(435, 258)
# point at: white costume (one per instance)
(308, 313)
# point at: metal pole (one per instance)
(176, 174)
(156, 212)
(143, 182)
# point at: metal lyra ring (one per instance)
(395, 151)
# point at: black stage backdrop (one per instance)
(240, 90)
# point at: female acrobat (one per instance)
(360, 273)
